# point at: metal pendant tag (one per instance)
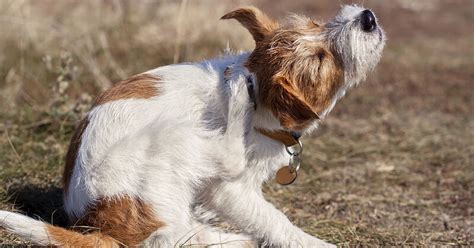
(286, 176)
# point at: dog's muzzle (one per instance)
(367, 20)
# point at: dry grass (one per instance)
(392, 165)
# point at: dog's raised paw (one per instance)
(239, 93)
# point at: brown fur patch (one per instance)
(66, 238)
(127, 220)
(71, 155)
(139, 86)
(288, 105)
(297, 78)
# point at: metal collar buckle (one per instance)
(287, 174)
(294, 151)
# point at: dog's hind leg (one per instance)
(238, 118)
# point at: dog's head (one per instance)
(301, 66)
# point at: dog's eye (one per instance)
(321, 55)
(313, 24)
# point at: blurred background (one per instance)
(392, 164)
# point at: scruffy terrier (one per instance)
(161, 153)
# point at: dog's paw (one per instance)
(326, 245)
(241, 92)
(306, 240)
(317, 243)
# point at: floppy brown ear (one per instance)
(288, 105)
(258, 24)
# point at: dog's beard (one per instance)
(359, 51)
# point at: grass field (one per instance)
(392, 165)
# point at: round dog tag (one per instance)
(286, 176)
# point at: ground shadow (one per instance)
(43, 203)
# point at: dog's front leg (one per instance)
(240, 108)
(243, 205)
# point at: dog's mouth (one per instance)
(380, 36)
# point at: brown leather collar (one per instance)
(286, 137)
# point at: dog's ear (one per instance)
(288, 105)
(258, 24)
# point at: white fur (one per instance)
(359, 51)
(194, 145)
(25, 227)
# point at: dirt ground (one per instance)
(392, 165)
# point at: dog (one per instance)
(161, 154)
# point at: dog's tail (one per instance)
(44, 234)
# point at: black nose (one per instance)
(368, 21)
